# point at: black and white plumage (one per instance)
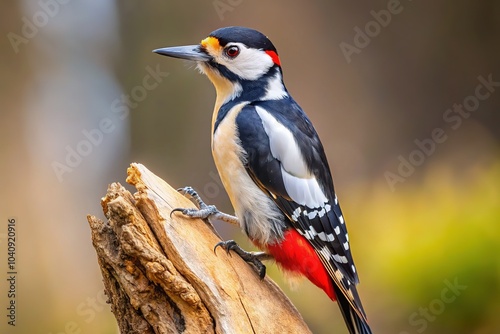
(285, 158)
(273, 165)
(289, 163)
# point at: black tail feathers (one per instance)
(353, 321)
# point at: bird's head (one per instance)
(236, 60)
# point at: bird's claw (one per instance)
(204, 211)
(193, 196)
(176, 210)
(227, 245)
(249, 257)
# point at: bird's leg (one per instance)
(207, 212)
(254, 258)
(204, 211)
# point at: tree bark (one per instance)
(161, 274)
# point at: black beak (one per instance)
(188, 52)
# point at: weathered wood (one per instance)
(162, 276)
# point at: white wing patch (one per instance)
(299, 183)
(304, 191)
(283, 145)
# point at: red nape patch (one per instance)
(296, 254)
(274, 57)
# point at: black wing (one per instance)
(285, 157)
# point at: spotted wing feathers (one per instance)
(286, 159)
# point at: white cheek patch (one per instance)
(250, 64)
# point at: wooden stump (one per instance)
(161, 274)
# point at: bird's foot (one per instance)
(254, 258)
(207, 212)
(204, 211)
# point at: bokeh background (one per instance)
(82, 96)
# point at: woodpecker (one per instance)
(273, 167)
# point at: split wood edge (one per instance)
(161, 275)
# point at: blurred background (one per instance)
(405, 96)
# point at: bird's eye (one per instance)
(232, 51)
